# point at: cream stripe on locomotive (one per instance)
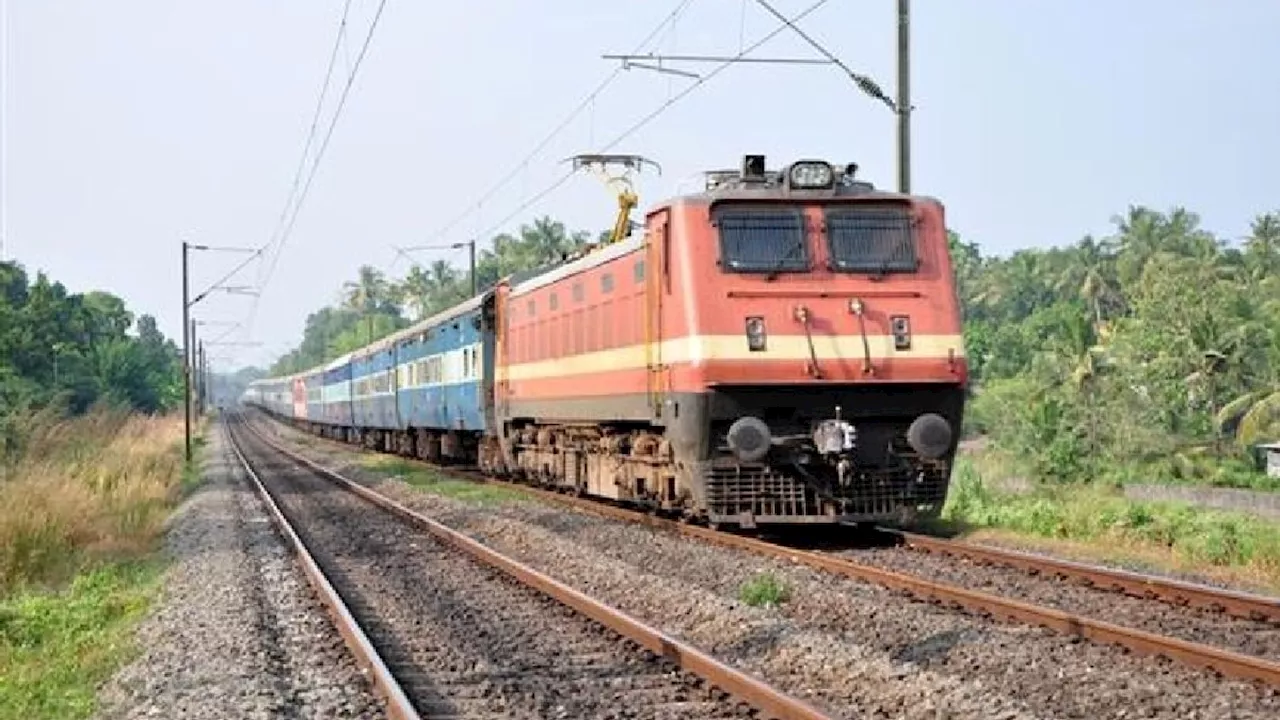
(699, 349)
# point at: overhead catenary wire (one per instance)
(585, 104)
(315, 124)
(865, 83)
(324, 145)
(645, 120)
(315, 165)
(230, 274)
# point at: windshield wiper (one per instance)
(781, 264)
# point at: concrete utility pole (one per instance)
(186, 348)
(202, 387)
(904, 96)
(189, 354)
(195, 370)
(472, 245)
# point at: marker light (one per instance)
(810, 174)
(901, 326)
(755, 333)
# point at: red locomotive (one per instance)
(782, 347)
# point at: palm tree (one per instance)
(446, 285)
(369, 292)
(368, 295)
(1090, 273)
(1262, 248)
(1253, 417)
(415, 292)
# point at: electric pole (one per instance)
(189, 324)
(904, 96)
(195, 379)
(202, 384)
(472, 245)
(186, 350)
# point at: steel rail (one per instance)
(1233, 602)
(736, 682)
(1226, 662)
(398, 705)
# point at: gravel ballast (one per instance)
(237, 632)
(464, 639)
(849, 645)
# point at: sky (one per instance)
(133, 125)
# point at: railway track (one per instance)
(1230, 602)
(1262, 610)
(448, 628)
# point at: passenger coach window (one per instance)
(762, 240)
(872, 239)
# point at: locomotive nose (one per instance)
(749, 438)
(930, 435)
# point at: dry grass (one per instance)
(93, 487)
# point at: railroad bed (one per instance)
(464, 639)
(1234, 633)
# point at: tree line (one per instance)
(1155, 349)
(1151, 353)
(69, 351)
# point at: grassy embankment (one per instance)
(82, 509)
(429, 481)
(1095, 521)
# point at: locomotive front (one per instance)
(819, 373)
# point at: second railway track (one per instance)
(470, 639)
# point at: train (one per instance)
(777, 348)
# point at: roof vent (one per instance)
(753, 167)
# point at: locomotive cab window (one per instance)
(759, 240)
(875, 239)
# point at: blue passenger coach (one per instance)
(425, 390)
(441, 370)
(373, 392)
(336, 395)
(313, 382)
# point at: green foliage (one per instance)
(55, 649)
(1153, 354)
(65, 350)
(764, 589)
(1094, 513)
(374, 307)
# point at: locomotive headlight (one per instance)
(901, 327)
(811, 174)
(755, 333)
